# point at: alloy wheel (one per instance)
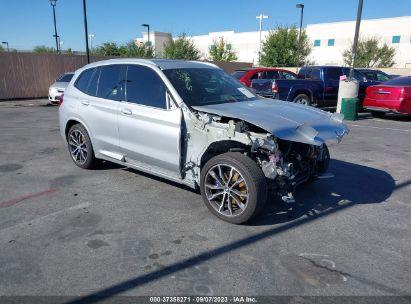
(226, 190)
(78, 146)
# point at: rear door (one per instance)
(331, 77)
(149, 124)
(99, 108)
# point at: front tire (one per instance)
(233, 187)
(80, 147)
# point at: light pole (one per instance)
(260, 17)
(301, 6)
(148, 32)
(91, 36)
(357, 32)
(86, 30)
(53, 5)
(6, 43)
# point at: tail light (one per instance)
(61, 100)
(274, 87)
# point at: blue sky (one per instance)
(26, 23)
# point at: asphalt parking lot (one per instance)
(68, 231)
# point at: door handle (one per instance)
(126, 111)
(85, 102)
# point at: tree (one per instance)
(1, 48)
(281, 48)
(370, 54)
(181, 48)
(44, 49)
(142, 50)
(221, 51)
(107, 49)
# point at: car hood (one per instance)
(59, 85)
(285, 120)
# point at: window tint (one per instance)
(205, 86)
(111, 82)
(83, 80)
(382, 77)
(332, 73)
(331, 42)
(238, 74)
(303, 72)
(369, 75)
(145, 87)
(357, 74)
(271, 75)
(287, 75)
(317, 42)
(92, 87)
(399, 81)
(65, 78)
(315, 74)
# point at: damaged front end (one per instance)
(288, 164)
(289, 155)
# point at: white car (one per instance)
(58, 87)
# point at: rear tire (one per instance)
(377, 114)
(233, 187)
(302, 99)
(80, 147)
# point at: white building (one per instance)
(329, 40)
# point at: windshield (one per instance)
(65, 78)
(205, 86)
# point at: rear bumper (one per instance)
(384, 110)
(387, 106)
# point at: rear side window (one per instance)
(83, 80)
(399, 81)
(332, 73)
(145, 87)
(287, 75)
(111, 82)
(92, 87)
(303, 72)
(369, 75)
(382, 77)
(271, 75)
(315, 74)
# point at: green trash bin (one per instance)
(349, 108)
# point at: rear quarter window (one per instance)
(83, 80)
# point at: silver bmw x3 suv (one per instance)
(192, 123)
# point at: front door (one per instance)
(149, 129)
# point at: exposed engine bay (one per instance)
(286, 164)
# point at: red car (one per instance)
(245, 76)
(392, 96)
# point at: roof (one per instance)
(163, 64)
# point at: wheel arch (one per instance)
(220, 147)
(73, 121)
(304, 91)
